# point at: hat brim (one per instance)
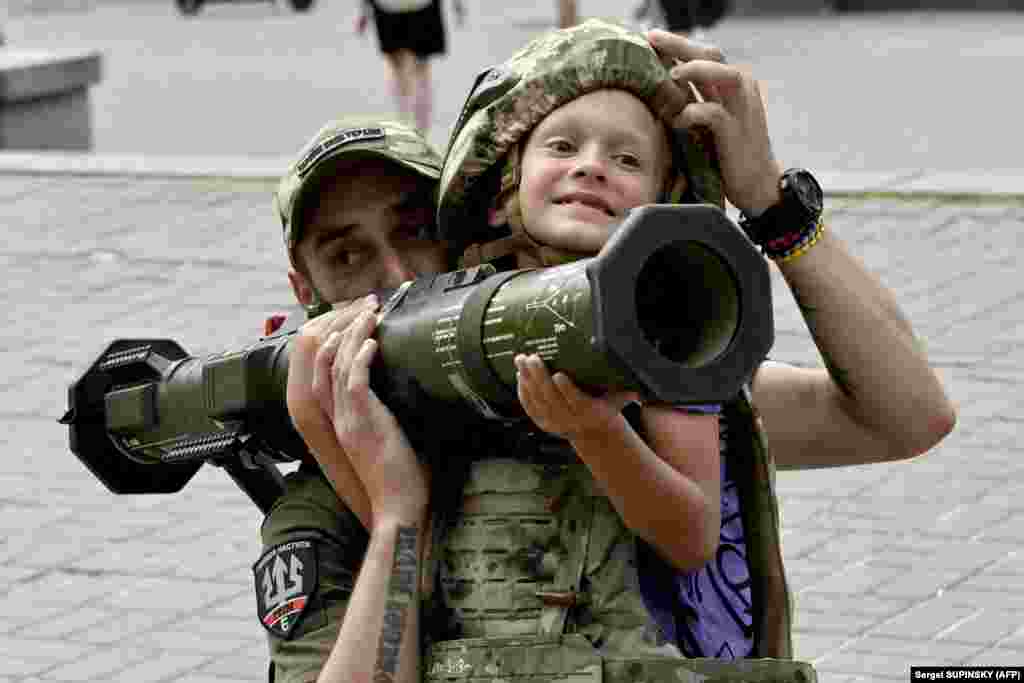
(314, 179)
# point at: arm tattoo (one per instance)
(806, 310)
(401, 593)
(839, 375)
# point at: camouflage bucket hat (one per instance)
(345, 139)
(509, 100)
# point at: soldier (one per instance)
(356, 207)
(577, 590)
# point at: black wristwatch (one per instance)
(798, 210)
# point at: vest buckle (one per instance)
(559, 598)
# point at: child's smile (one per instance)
(586, 201)
(588, 162)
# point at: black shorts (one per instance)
(420, 32)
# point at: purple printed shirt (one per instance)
(706, 612)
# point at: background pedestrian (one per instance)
(409, 33)
(687, 17)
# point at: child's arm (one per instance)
(667, 490)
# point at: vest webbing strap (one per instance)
(566, 590)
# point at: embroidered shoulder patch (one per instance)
(286, 579)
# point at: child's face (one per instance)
(586, 163)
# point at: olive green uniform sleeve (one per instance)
(309, 509)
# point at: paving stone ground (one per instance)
(915, 563)
(892, 565)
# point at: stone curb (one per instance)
(910, 182)
(158, 166)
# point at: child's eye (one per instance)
(561, 146)
(629, 160)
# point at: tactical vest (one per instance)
(538, 578)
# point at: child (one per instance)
(578, 139)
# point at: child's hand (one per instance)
(360, 24)
(559, 407)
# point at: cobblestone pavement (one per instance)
(894, 565)
(913, 563)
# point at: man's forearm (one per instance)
(379, 639)
(876, 363)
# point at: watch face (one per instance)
(807, 190)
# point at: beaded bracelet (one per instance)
(792, 245)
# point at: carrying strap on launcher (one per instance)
(755, 477)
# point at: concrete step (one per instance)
(44, 98)
(21, 8)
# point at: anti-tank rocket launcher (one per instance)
(676, 306)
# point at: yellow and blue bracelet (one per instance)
(795, 244)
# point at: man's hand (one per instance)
(307, 412)
(726, 100)
(674, 48)
(304, 399)
(396, 483)
(559, 407)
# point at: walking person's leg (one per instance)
(567, 13)
(401, 81)
(430, 40)
(423, 95)
(393, 38)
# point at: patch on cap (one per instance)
(352, 136)
(332, 143)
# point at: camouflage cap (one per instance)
(347, 138)
(509, 100)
